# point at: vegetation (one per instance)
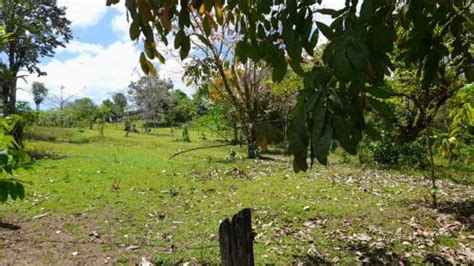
(169, 210)
(39, 92)
(147, 173)
(35, 30)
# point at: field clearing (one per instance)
(117, 199)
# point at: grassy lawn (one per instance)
(92, 200)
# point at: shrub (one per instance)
(388, 152)
(185, 137)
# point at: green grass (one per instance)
(128, 190)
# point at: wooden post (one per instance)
(236, 240)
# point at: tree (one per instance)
(151, 95)
(82, 112)
(241, 84)
(35, 30)
(106, 110)
(355, 60)
(183, 108)
(39, 92)
(120, 104)
(60, 100)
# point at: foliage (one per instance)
(40, 92)
(10, 157)
(80, 112)
(117, 175)
(388, 152)
(151, 95)
(183, 109)
(355, 60)
(120, 104)
(185, 136)
(454, 143)
(36, 29)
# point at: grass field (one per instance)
(117, 199)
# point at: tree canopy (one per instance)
(39, 92)
(35, 29)
(356, 58)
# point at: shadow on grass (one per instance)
(314, 260)
(373, 255)
(9, 226)
(463, 211)
(44, 155)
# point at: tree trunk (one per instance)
(37, 108)
(235, 130)
(252, 151)
(9, 97)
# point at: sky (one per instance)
(101, 59)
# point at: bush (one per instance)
(388, 152)
(186, 134)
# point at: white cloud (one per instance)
(76, 47)
(84, 13)
(119, 23)
(95, 72)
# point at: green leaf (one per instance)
(322, 144)
(298, 135)
(205, 40)
(331, 12)
(144, 63)
(20, 190)
(325, 30)
(160, 57)
(381, 107)
(134, 30)
(341, 63)
(372, 132)
(367, 10)
(342, 131)
(293, 47)
(381, 92)
(150, 49)
(12, 189)
(280, 67)
(3, 190)
(147, 66)
(185, 48)
(321, 134)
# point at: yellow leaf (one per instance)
(202, 8)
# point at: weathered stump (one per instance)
(236, 240)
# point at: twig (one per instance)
(200, 148)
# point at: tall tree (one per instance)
(60, 100)
(35, 30)
(120, 104)
(82, 111)
(39, 92)
(151, 95)
(241, 83)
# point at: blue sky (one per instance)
(100, 60)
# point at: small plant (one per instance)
(10, 157)
(185, 136)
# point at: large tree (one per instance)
(240, 83)
(355, 60)
(120, 104)
(39, 92)
(151, 96)
(82, 112)
(35, 30)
